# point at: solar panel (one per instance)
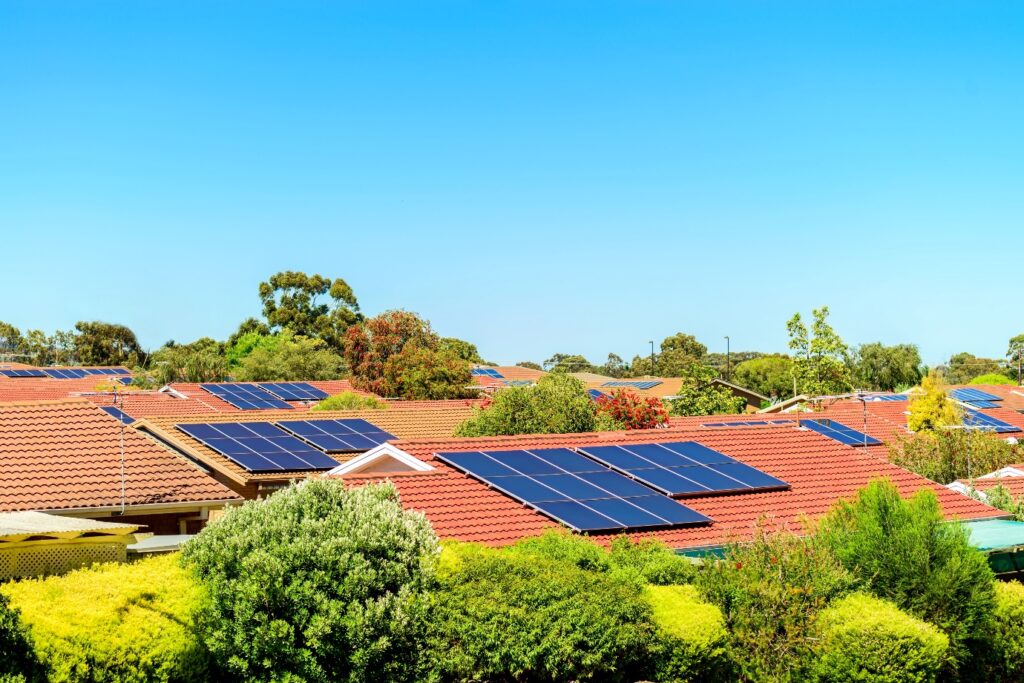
(245, 396)
(65, 373)
(108, 371)
(518, 383)
(747, 423)
(972, 395)
(338, 436)
(575, 490)
(259, 446)
(977, 420)
(486, 372)
(125, 379)
(294, 391)
(23, 372)
(596, 394)
(118, 414)
(684, 468)
(840, 432)
(637, 384)
(888, 397)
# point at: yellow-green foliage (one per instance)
(692, 634)
(863, 638)
(1008, 633)
(932, 409)
(350, 400)
(116, 622)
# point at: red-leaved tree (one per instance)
(633, 411)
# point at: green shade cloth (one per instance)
(996, 534)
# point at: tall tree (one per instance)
(678, 353)
(462, 349)
(293, 300)
(529, 364)
(614, 367)
(100, 343)
(699, 395)
(769, 375)
(963, 367)
(1015, 356)
(289, 357)
(11, 341)
(569, 362)
(886, 368)
(821, 355)
(201, 361)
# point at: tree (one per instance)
(684, 343)
(1015, 355)
(820, 355)
(678, 353)
(11, 341)
(557, 404)
(721, 362)
(248, 326)
(350, 400)
(993, 379)
(18, 661)
(317, 583)
(566, 362)
(963, 367)
(946, 455)
(289, 357)
(932, 408)
(397, 354)
(886, 368)
(461, 349)
(291, 300)
(100, 343)
(613, 367)
(698, 395)
(529, 364)
(201, 361)
(629, 410)
(906, 551)
(769, 375)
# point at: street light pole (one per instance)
(728, 360)
(654, 368)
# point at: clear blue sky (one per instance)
(532, 176)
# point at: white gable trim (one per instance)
(1004, 472)
(167, 389)
(374, 455)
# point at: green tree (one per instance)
(722, 362)
(1015, 355)
(905, 551)
(567, 362)
(769, 375)
(932, 408)
(11, 341)
(678, 354)
(963, 367)
(201, 361)
(248, 326)
(293, 300)
(460, 349)
(614, 367)
(100, 343)
(993, 379)
(289, 357)
(423, 373)
(557, 404)
(317, 583)
(529, 364)
(885, 368)
(350, 400)
(699, 395)
(820, 355)
(946, 455)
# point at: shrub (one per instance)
(629, 410)
(770, 592)
(947, 455)
(17, 660)
(692, 639)
(932, 408)
(561, 546)
(518, 616)
(350, 400)
(115, 622)
(1008, 633)
(557, 404)
(652, 561)
(317, 583)
(905, 551)
(992, 378)
(862, 638)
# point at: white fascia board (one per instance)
(385, 450)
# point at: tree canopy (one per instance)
(768, 375)
(100, 343)
(295, 301)
(557, 404)
(820, 355)
(932, 408)
(886, 368)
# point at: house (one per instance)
(68, 457)
(669, 387)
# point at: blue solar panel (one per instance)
(338, 436)
(486, 372)
(259, 446)
(23, 372)
(66, 373)
(636, 384)
(683, 468)
(888, 397)
(596, 394)
(125, 379)
(573, 489)
(118, 413)
(294, 391)
(977, 420)
(840, 432)
(747, 423)
(972, 395)
(245, 396)
(108, 371)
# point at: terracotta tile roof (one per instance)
(511, 373)
(819, 470)
(407, 423)
(65, 455)
(47, 388)
(1015, 485)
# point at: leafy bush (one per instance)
(862, 638)
(947, 455)
(771, 592)
(317, 583)
(1008, 633)
(692, 639)
(557, 404)
(115, 622)
(932, 408)
(519, 616)
(629, 410)
(1000, 497)
(17, 660)
(993, 379)
(905, 551)
(652, 561)
(350, 400)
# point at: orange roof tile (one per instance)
(65, 455)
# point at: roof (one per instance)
(66, 455)
(509, 373)
(21, 526)
(409, 422)
(819, 470)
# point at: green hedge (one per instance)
(1008, 633)
(692, 637)
(116, 622)
(863, 638)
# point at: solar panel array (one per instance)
(23, 372)
(338, 436)
(888, 398)
(596, 394)
(684, 468)
(108, 371)
(65, 373)
(486, 372)
(573, 489)
(979, 420)
(636, 384)
(976, 398)
(840, 432)
(748, 423)
(245, 396)
(293, 391)
(118, 414)
(259, 446)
